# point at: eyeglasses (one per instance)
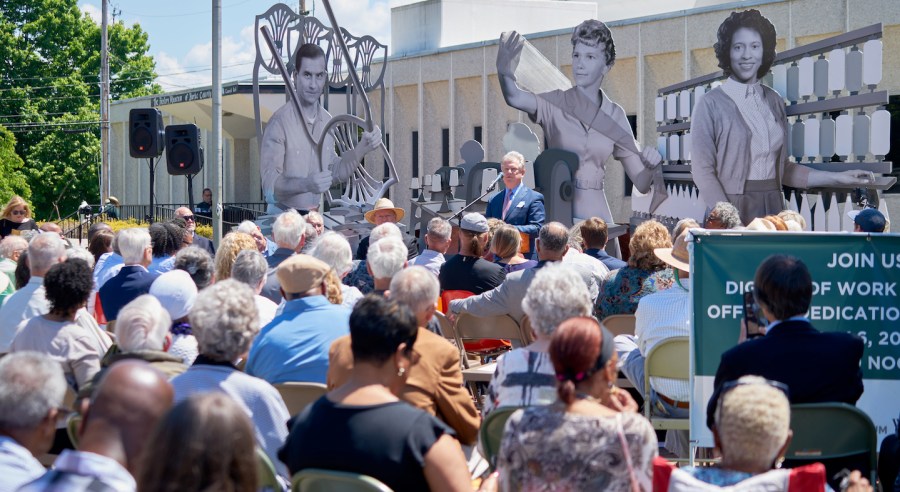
(188, 217)
(19, 212)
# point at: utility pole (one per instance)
(104, 106)
(216, 146)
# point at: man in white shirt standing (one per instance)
(662, 315)
(32, 388)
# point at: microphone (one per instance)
(496, 180)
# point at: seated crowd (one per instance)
(174, 355)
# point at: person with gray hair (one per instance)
(44, 251)
(32, 388)
(360, 277)
(385, 259)
(77, 252)
(723, 215)
(288, 231)
(525, 376)
(552, 245)
(125, 409)
(752, 431)
(142, 333)
(437, 241)
(11, 247)
(249, 227)
(198, 263)
(310, 236)
(133, 279)
(334, 249)
(250, 268)
(517, 205)
(225, 325)
(435, 381)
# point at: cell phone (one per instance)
(753, 319)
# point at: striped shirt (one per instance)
(662, 315)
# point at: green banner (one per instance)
(856, 282)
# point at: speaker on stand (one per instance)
(146, 140)
(184, 156)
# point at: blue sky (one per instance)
(180, 32)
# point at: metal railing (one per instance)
(76, 225)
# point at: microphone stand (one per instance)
(458, 215)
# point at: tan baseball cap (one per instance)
(300, 273)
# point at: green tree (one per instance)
(49, 95)
(12, 180)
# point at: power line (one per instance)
(66, 123)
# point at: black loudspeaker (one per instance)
(145, 133)
(183, 152)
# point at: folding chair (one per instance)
(475, 328)
(491, 433)
(619, 324)
(298, 395)
(318, 480)
(267, 477)
(73, 422)
(824, 431)
(668, 359)
(486, 346)
(452, 295)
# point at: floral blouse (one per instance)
(546, 449)
(625, 287)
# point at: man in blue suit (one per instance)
(517, 205)
(134, 279)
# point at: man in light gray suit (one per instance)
(552, 244)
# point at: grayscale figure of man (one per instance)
(289, 162)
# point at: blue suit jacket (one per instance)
(131, 282)
(526, 212)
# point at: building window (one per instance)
(632, 121)
(387, 143)
(445, 147)
(477, 135)
(415, 160)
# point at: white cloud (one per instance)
(92, 10)
(373, 19)
(194, 68)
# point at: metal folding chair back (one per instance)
(317, 480)
(832, 430)
(298, 395)
(620, 324)
(491, 433)
(470, 327)
(267, 477)
(668, 359)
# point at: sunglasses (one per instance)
(19, 212)
(188, 217)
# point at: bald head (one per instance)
(553, 242)
(128, 402)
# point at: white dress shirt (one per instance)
(662, 315)
(17, 465)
